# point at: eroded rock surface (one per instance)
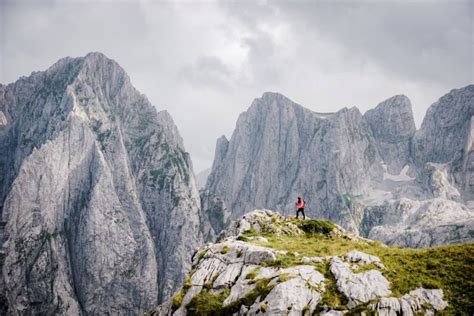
(97, 192)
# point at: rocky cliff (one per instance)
(446, 136)
(267, 264)
(280, 150)
(96, 190)
(355, 169)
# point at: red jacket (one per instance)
(300, 204)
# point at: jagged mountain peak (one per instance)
(353, 168)
(116, 209)
(396, 100)
(272, 100)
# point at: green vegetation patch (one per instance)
(261, 289)
(447, 267)
(285, 261)
(252, 274)
(331, 297)
(207, 303)
(315, 226)
(177, 300)
(225, 249)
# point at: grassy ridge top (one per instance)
(450, 267)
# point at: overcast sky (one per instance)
(206, 61)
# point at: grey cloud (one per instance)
(427, 40)
(208, 72)
(205, 62)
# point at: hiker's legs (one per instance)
(302, 211)
(298, 212)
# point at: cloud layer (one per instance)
(206, 61)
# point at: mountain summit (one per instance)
(97, 192)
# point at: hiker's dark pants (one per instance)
(301, 209)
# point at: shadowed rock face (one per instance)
(97, 191)
(447, 136)
(393, 126)
(356, 170)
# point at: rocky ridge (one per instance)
(373, 174)
(237, 276)
(97, 192)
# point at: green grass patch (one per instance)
(224, 249)
(284, 277)
(315, 226)
(177, 300)
(207, 303)
(331, 297)
(252, 274)
(261, 289)
(447, 267)
(285, 261)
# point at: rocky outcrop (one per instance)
(97, 191)
(237, 277)
(413, 301)
(360, 172)
(393, 127)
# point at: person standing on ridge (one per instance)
(300, 207)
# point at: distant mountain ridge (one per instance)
(373, 174)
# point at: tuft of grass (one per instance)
(364, 267)
(202, 254)
(285, 261)
(252, 274)
(225, 249)
(284, 277)
(261, 290)
(251, 232)
(187, 283)
(242, 238)
(177, 300)
(207, 303)
(316, 226)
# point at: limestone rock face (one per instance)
(280, 150)
(374, 175)
(96, 190)
(409, 303)
(393, 126)
(447, 136)
(360, 287)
